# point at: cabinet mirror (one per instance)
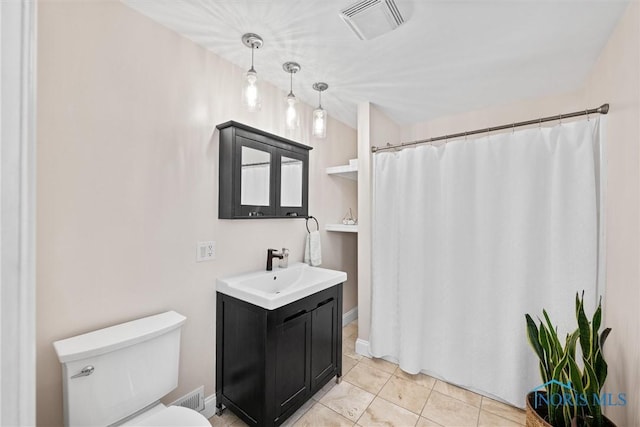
(254, 179)
(291, 182)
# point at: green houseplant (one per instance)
(572, 387)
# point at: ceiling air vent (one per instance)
(372, 18)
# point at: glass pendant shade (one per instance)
(292, 120)
(250, 86)
(291, 117)
(319, 117)
(319, 129)
(251, 92)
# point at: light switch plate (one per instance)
(206, 251)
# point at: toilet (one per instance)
(117, 375)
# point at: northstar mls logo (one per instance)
(567, 395)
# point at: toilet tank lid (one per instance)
(115, 337)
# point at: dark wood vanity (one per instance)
(261, 175)
(270, 362)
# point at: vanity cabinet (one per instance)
(270, 362)
(261, 175)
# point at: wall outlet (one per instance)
(206, 251)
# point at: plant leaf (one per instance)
(543, 373)
(603, 336)
(592, 388)
(585, 332)
(532, 334)
(578, 302)
(549, 351)
(555, 342)
(571, 343)
(554, 411)
(600, 368)
(595, 326)
(576, 382)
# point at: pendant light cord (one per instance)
(252, 49)
(291, 84)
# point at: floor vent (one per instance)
(372, 18)
(193, 400)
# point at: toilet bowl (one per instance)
(117, 375)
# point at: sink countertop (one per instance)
(282, 286)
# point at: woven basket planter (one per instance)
(535, 417)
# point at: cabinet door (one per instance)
(254, 179)
(324, 335)
(240, 348)
(293, 346)
(292, 183)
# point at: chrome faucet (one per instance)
(271, 254)
(284, 261)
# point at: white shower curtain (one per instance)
(470, 236)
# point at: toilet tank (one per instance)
(134, 365)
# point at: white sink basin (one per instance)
(273, 289)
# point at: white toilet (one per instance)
(117, 375)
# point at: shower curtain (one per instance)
(471, 235)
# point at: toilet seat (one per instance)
(172, 416)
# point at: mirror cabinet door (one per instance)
(291, 182)
(254, 179)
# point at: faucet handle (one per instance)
(284, 261)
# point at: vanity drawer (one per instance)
(305, 305)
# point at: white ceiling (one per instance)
(449, 57)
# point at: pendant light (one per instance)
(292, 119)
(319, 123)
(250, 90)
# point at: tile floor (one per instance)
(375, 392)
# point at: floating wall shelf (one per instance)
(347, 171)
(342, 228)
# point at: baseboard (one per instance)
(362, 348)
(349, 316)
(209, 406)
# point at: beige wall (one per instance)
(127, 184)
(364, 221)
(614, 79)
(374, 129)
(497, 115)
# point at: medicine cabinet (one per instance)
(261, 175)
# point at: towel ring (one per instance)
(307, 223)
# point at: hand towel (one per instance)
(313, 250)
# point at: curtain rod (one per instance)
(603, 109)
